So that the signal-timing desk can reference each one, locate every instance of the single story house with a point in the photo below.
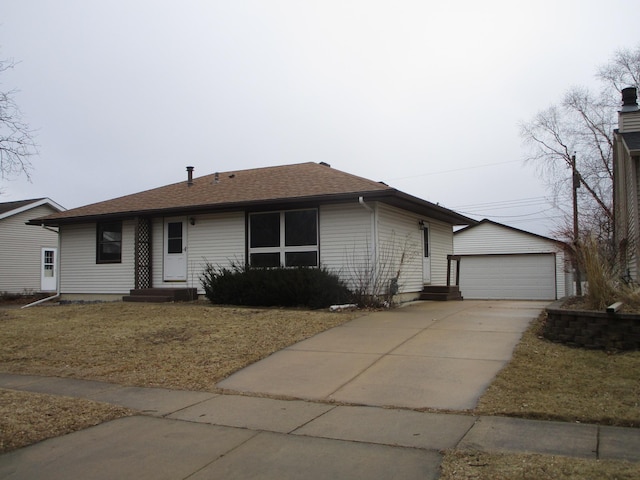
(502, 262)
(306, 214)
(29, 256)
(626, 184)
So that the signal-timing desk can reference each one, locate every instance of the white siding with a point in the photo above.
(441, 246)
(488, 239)
(20, 255)
(346, 239)
(79, 272)
(399, 236)
(350, 236)
(218, 239)
(629, 122)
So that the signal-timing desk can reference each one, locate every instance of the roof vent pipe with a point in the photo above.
(189, 176)
(629, 100)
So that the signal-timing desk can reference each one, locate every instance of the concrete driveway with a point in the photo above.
(425, 355)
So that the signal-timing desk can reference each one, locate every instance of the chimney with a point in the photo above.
(189, 176)
(629, 100)
(629, 115)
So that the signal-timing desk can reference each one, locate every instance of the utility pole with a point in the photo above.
(576, 186)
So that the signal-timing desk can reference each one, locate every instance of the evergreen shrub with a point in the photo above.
(284, 287)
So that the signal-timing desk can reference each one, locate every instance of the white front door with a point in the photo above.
(49, 270)
(426, 255)
(175, 249)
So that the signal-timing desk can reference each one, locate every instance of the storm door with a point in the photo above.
(49, 274)
(426, 255)
(175, 249)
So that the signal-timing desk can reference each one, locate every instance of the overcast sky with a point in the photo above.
(423, 95)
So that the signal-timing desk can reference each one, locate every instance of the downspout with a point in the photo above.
(373, 235)
(57, 295)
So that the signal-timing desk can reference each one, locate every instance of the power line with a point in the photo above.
(500, 202)
(506, 216)
(454, 170)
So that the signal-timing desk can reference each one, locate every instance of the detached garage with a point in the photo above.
(501, 262)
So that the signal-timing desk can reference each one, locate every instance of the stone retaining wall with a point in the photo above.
(591, 329)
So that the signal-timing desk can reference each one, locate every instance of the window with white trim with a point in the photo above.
(286, 238)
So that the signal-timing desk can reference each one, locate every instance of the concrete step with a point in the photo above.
(157, 295)
(440, 293)
(147, 298)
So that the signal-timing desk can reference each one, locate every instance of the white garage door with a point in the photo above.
(514, 277)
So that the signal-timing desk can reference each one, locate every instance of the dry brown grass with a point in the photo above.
(549, 381)
(26, 418)
(459, 465)
(193, 346)
(182, 346)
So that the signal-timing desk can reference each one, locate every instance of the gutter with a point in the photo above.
(42, 300)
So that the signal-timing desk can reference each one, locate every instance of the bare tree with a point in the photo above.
(17, 142)
(582, 124)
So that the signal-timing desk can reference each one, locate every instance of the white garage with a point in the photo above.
(501, 262)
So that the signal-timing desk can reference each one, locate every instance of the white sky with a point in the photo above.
(425, 96)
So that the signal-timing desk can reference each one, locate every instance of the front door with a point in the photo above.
(175, 249)
(426, 255)
(49, 273)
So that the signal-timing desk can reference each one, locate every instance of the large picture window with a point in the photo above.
(287, 239)
(109, 244)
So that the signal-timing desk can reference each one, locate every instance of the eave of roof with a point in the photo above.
(299, 184)
(8, 209)
(631, 142)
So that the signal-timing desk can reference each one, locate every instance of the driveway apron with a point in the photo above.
(425, 355)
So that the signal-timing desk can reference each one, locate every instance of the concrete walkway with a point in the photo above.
(200, 435)
(425, 355)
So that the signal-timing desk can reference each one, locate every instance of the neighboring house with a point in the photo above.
(305, 214)
(502, 262)
(28, 257)
(626, 182)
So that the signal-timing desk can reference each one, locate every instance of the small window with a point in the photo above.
(301, 259)
(109, 248)
(174, 237)
(301, 228)
(265, 260)
(265, 230)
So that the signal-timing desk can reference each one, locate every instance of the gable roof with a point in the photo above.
(282, 186)
(8, 209)
(486, 221)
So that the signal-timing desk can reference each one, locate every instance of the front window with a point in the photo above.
(287, 239)
(109, 244)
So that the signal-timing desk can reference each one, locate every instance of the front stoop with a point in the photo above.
(160, 295)
(441, 293)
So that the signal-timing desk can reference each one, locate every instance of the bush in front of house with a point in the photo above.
(267, 287)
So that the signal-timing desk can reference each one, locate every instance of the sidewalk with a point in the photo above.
(357, 389)
(198, 435)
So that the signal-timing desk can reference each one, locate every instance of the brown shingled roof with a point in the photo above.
(310, 182)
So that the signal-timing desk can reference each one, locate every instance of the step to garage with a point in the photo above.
(440, 293)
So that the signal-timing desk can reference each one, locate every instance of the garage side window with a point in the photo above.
(288, 238)
(109, 242)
